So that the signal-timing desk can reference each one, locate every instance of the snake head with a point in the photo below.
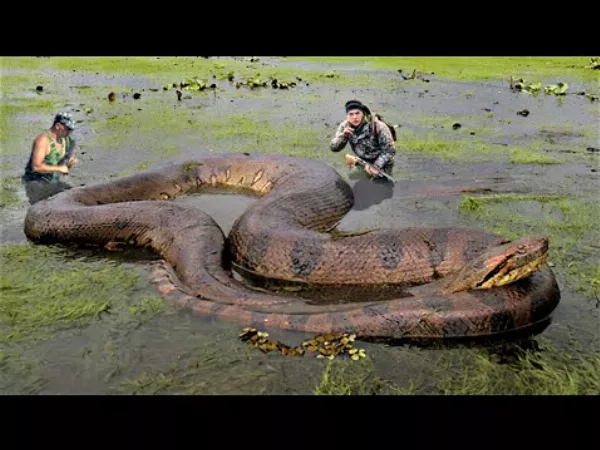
(501, 264)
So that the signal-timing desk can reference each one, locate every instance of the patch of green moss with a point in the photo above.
(43, 291)
(25, 105)
(17, 85)
(8, 190)
(434, 144)
(522, 155)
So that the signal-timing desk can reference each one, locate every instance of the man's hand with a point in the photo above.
(371, 170)
(350, 160)
(348, 131)
(63, 169)
(72, 161)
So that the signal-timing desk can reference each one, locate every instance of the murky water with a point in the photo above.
(176, 353)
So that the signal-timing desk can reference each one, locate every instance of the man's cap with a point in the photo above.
(66, 119)
(355, 104)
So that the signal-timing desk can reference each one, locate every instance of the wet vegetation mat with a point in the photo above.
(507, 144)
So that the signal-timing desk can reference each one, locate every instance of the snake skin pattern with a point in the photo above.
(285, 235)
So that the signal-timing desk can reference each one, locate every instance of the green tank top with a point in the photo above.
(52, 158)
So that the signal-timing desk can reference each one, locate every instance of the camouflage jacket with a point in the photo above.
(377, 148)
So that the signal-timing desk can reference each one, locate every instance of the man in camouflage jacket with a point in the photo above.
(369, 138)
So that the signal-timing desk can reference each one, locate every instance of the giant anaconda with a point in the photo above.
(449, 272)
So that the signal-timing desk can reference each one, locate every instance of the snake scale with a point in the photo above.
(450, 276)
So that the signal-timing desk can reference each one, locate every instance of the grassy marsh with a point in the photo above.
(474, 68)
(171, 69)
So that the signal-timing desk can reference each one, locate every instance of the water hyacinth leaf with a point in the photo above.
(561, 88)
(525, 86)
(328, 345)
(535, 86)
(256, 82)
(556, 89)
(248, 330)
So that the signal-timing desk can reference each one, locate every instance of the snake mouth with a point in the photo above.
(505, 272)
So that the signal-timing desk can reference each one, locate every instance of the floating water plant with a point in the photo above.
(556, 89)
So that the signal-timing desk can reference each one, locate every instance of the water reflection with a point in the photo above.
(371, 192)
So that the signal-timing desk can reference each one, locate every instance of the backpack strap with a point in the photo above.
(392, 131)
(375, 132)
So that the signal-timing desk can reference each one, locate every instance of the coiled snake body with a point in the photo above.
(448, 274)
